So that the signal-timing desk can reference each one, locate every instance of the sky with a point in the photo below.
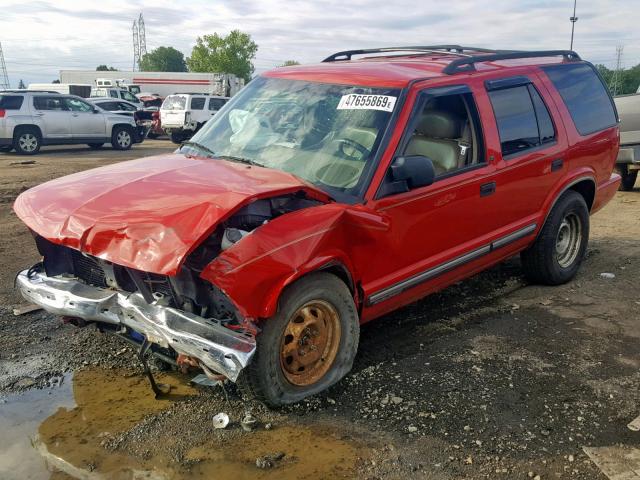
(41, 37)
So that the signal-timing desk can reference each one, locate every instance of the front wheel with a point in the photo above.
(307, 346)
(122, 138)
(628, 178)
(557, 253)
(177, 136)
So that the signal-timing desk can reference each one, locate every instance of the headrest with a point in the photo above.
(439, 124)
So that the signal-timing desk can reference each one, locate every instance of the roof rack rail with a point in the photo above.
(467, 64)
(441, 49)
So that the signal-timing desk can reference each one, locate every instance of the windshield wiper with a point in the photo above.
(204, 148)
(233, 158)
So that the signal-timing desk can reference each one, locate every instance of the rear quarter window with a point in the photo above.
(11, 102)
(197, 103)
(174, 102)
(585, 96)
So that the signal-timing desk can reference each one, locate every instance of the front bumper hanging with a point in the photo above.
(218, 348)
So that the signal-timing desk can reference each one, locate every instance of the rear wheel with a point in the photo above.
(27, 140)
(177, 137)
(628, 177)
(122, 138)
(95, 146)
(557, 253)
(307, 346)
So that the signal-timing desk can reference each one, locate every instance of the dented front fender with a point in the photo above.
(254, 272)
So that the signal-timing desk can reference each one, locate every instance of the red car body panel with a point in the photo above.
(150, 213)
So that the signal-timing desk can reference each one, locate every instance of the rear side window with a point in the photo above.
(584, 95)
(49, 103)
(216, 103)
(11, 102)
(197, 103)
(113, 93)
(522, 117)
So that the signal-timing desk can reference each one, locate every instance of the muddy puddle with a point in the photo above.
(65, 431)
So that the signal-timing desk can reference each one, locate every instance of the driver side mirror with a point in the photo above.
(408, 172)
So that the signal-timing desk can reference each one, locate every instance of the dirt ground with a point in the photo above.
(491, 378)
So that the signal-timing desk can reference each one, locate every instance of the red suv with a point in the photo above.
(324, 196)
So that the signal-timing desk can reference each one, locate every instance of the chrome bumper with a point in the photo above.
(218, 348)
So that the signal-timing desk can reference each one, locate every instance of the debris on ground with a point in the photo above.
(270, 460)
(220, 420)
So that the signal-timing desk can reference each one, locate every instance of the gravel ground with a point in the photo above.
(491, 378)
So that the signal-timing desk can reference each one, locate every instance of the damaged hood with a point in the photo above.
(150, 213)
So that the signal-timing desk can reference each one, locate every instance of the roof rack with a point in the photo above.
(467, 64)
(440, 49)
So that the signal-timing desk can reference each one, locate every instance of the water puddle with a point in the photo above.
(64, 429)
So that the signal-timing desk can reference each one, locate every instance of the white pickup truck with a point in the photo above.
(628, 162)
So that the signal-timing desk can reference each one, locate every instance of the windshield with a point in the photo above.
(174, 102)
(326, 134)
(129, 97)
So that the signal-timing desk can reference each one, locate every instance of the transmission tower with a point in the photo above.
(617, 73)
(142, 37)
(136, 46)
(4, 77)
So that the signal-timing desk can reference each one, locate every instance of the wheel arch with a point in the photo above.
(584, 184)
(20, 126)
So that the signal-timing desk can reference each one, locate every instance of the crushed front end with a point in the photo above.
(181, 315)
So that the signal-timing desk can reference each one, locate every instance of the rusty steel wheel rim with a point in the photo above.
(310, 343)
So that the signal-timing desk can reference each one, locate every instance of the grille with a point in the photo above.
(88, 269)
(158, 283)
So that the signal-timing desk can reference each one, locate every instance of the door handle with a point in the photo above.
(487, 189)
(557, 164)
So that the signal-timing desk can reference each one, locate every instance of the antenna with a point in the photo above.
(4, 77)
(573, 21)
(136, 46)
(617, 73)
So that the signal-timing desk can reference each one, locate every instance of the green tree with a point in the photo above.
(231, 54)
(163, 59)
(21, 85)
(289, 63)
(104, 68)
(628, 79)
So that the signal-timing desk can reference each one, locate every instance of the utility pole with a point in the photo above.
(139, 42)
(4, 77)
(617, 73)
(142, 37)
(573, 21)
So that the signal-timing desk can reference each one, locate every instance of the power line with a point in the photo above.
(617, 73)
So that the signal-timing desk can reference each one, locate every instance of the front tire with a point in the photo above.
(628, 178)
(307, 346)
(177, 137)
(122, 138)
(27, 141)
(557, 253)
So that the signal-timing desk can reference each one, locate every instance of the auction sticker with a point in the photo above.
(356, 101)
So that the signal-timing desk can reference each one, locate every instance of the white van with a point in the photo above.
(183, 114)
(81, 90)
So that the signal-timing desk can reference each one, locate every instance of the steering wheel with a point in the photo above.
(354, 146)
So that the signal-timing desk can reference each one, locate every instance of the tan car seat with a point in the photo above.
(436, 137)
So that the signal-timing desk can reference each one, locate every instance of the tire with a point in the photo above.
(95, 146)
(628, 178)
(557, 253)
(272, 377)
(176, 137)
(6, 148)
(27, 140)
(152, 136)
(122, 138)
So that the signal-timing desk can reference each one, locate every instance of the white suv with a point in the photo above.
(29, 120)
(183, 114)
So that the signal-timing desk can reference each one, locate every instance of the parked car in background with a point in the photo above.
(184, 114)
(116, 92)
(80, 90)
(30, 120)
(628, 162)
(143, 118)
(325, 196)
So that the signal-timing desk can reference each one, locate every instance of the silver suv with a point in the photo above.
(29, 120)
